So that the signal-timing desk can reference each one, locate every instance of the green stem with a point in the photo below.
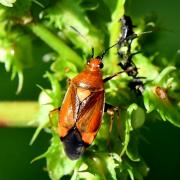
(18, 114)
(56, 43)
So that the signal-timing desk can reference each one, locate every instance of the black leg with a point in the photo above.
(112, 76)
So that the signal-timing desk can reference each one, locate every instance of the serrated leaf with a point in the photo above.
(58, 164)
(126, 170)
(64, 69)
(55, 95)
(148, 100)
(129, 145)
(11, 61)
(111, 165)
(48, 100)
(43, 115)
(131, 169)
(162, 78)
(156, 98)
(16, 54)
(145, 67)
(70, 17)
(8, 3)
(95, 167)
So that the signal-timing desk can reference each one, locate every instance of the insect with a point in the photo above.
(137, 85)
(128, 65)
(125, 40)
(126, 57)
(82, 109)
(127, 33)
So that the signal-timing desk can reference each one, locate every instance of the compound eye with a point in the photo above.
(101, 65)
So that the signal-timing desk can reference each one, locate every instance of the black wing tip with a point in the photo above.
(74, 146)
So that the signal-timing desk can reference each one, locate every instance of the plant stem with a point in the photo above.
(18, 114)
(56, 43)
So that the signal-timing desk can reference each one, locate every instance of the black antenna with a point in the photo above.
(107, 50)
(84, 37)
(78, 32)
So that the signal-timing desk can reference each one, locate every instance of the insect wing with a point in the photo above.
(66, 116)
(90, 116)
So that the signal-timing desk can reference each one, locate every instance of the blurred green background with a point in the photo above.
(162, 153)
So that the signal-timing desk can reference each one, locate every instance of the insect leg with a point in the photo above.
(111, 110)
(68, 81)
(112, 76)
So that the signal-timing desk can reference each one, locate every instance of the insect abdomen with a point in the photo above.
(73, 144)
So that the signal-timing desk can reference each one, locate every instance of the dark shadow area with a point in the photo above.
(162, 154)
(16, 154)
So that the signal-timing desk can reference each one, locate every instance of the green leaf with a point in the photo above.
(20, 80)
(43, 115)
(90, 5)
(55, 94)
(156, 98)
(48, 100)
(101, 165)
(126, 118)
(95, 167)
(12, 59)
(145, 67)
(114, 29)
(133, 119)
(126, 170)
(138, 118)
(58, 164)
(56, 43)
(69, 17)
(18, 8)
(64, 69)
(132, 149)
(133, 170)
(8, 3)
(161, 80)
(111, 4)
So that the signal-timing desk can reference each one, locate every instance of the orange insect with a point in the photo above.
(82, 109)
